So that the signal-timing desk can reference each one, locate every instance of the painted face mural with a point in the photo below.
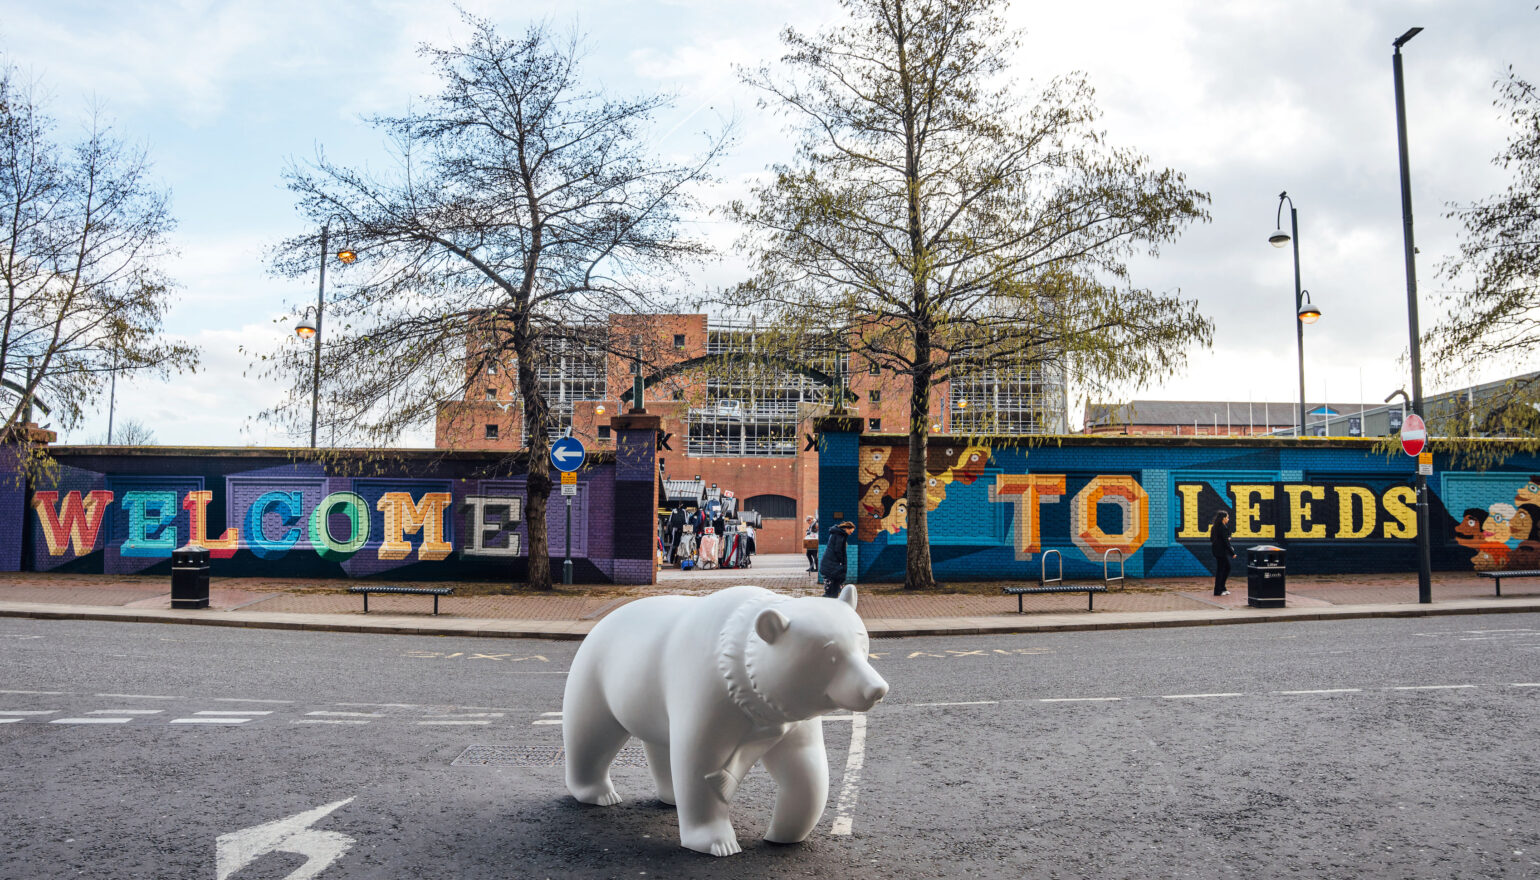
(1529, 493)
(883, 474)
(1495, 527)
(1468, 530)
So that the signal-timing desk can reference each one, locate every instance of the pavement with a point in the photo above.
(498, 610)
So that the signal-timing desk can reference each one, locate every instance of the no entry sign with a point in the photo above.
(1414, 434)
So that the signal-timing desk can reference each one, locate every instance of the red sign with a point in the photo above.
(1414, 434)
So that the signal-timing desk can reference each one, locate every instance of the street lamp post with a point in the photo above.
(1424, 550)
(1304, 311)
(306, 329)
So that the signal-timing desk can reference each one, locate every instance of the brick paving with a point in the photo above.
(878, 601)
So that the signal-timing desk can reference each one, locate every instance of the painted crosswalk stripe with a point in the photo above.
(325, 714)
(138, 697)
(469, 715)
(249, 700)
(1432, 687)
(330, 721)
(223, 713)
(225, 720)
(125, 711)
(30, 712)
(97, 720)
(1322, 691)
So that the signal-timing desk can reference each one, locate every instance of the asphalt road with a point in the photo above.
(1383, 748)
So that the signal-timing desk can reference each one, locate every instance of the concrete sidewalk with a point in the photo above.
(479, 609)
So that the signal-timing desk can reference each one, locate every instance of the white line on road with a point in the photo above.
(469, 715)
(850, 788)
(1080, 699)
(249, 700)
(209, 720)
(90, 721)
(460, 723)
(1432, 687)
(347, 714)
(39, 693)
(1526, 684)
(139, 697)
(125, 711)
(1197, 696)
(970, 703)
(546, 721)
(330, 721)
(9, 720)
(1323, 691)
(557, 714)
(33, 712)
(221, 712)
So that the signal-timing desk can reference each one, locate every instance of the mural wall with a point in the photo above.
(1336, 508)
(419, 516)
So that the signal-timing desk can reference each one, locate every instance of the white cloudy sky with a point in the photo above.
(1246, 98)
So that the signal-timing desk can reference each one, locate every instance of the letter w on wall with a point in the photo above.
(75, 523)
(1027, 492)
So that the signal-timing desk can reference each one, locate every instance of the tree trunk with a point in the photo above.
(538, 483)
(917, 570)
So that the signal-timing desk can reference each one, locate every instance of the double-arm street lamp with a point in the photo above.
(1304, 311)
(306, 328)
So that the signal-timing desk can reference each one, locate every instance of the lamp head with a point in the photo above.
(962, 404)
(1308, 313)
(1278, 238)
(599, 410)
(305, 329)
(1402, 40)
(347, 256)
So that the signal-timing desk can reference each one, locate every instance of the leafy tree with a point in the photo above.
(935, 219)
(524, 210)
(83, 236)
(1492, 316)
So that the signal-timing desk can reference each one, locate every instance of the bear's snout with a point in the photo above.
(876, 692)
(859, 688)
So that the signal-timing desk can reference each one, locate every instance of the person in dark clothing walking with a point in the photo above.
(1219, 542)
(833, 565)
(810, 544)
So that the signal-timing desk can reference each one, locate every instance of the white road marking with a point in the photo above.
(1432, 687)
(557, 714)
(971, 703)
(90, 721)
(209, 720)
(330, 721)
(139, 697)
(469, 715)
(546, 721)
(249, 700)
(1197, 696)
(460, 723)
(850, 788)
(236, 850)
(222, 712)
(1323, 691)
(31, 712)
(1080, 699)
(347, 714)
(39, 693)
(9, 720)
(125, 711)
(1526, 684)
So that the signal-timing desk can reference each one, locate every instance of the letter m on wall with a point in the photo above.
(73, 523)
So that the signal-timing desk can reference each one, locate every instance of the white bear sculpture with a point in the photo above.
(711, 686)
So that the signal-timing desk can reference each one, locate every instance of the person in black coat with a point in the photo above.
(833, 565)
(1219, 542)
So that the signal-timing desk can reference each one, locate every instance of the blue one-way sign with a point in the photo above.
(567, 454)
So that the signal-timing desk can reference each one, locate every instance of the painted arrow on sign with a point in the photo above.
(236, 850)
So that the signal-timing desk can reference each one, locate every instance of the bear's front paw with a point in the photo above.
(605, 796)
(713, 842)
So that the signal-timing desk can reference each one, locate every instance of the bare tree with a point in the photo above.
(83, 236)
(937, 220)
(526, 209)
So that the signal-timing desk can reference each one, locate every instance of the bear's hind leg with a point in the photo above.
(592, 738)
(800, 768)
(662, 775)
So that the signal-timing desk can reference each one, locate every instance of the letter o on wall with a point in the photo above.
(357, 511)
(1126, 493)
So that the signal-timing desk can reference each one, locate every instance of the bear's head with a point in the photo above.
(810, 657)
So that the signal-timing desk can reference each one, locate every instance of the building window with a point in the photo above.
(491, 394)
(679, 340)
(874, 396)
(772, 506)
(491, 432)
(874, 424)
(492, 369)
(604, 432)
(873, 370)
(679, 394)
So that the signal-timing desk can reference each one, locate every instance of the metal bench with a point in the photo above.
(435, 592)
(1056, 584)
(1499, 575)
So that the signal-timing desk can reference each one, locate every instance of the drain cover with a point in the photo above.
(535, 756)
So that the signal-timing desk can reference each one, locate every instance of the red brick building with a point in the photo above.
(733, 416)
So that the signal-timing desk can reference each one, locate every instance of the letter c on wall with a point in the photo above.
(288, 505)
(1126, 493)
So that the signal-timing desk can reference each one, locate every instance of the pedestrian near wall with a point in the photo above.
(833, 566)
(1219, 542)
(810, 542)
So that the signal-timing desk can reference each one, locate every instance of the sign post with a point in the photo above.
(1414, 436)
(567, 455)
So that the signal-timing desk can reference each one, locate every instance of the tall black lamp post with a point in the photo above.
(1424, 551)
(1304, 312)
(307, 329)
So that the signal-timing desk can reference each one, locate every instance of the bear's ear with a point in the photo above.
(848, 596)
(770, 624)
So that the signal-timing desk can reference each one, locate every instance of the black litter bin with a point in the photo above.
(190, 577)
(1265, 576)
